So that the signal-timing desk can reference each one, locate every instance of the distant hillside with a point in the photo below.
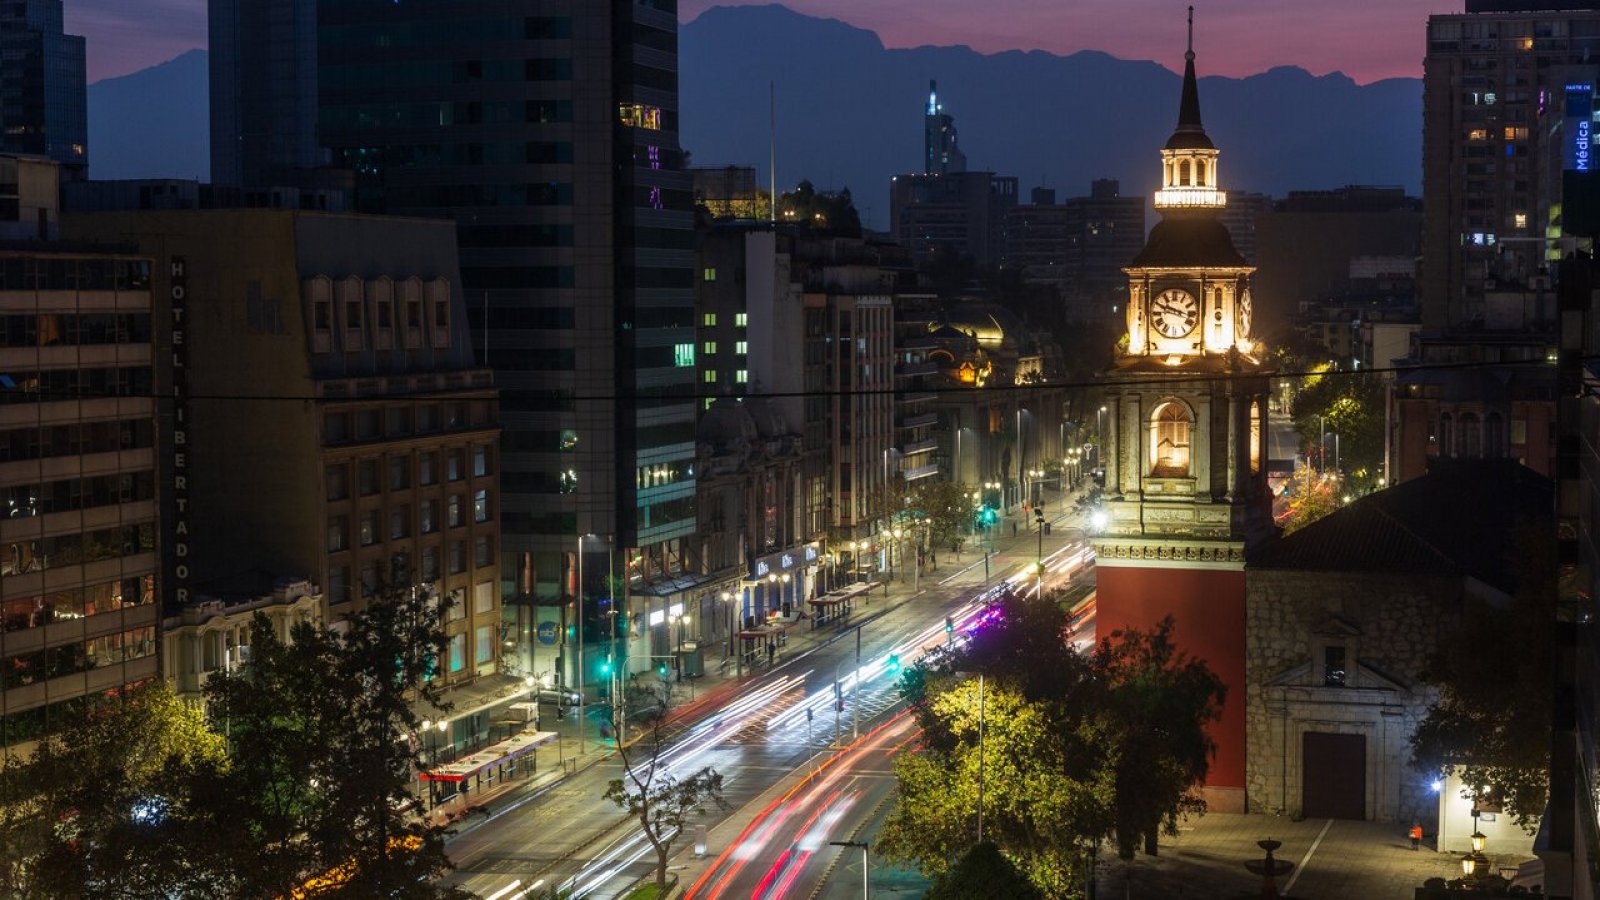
(154, 123)
(850, 112)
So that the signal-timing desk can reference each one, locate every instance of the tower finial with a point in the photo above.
(1189, 54)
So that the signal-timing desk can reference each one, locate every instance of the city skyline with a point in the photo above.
(1365, 44)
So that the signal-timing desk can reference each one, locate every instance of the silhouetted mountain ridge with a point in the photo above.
(850, 112)
(153, 123)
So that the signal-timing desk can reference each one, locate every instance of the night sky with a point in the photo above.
(1367, 40)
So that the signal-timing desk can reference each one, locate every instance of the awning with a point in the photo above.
(493, 755)
(829, 600)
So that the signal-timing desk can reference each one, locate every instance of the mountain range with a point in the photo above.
(849, 113)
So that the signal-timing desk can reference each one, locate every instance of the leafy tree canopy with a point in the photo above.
(1492, 719)
(1074, 749)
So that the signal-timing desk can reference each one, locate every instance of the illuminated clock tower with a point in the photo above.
(1186, 400)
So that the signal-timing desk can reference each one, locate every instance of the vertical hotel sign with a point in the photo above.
(178, 564)
(1578, 120)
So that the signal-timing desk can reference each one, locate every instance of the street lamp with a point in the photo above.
(785, 578)
(866, 886)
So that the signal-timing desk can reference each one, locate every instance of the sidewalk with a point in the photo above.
(712, 689)
(1333, 859)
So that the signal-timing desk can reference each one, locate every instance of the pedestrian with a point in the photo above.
(772, 651)
(1416, 835)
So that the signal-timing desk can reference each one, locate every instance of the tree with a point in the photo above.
(104, 808)
(1350, 405)
(983, 872)
(1076, 750)
(322, 742)
(1491, 723)
(947, 505)
(650, 792)
(1310, 498)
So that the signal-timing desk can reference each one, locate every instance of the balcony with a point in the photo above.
(919, 420)
(914, 447)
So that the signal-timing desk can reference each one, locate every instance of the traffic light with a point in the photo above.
(894, 663)
(661, 668)
(949, 624)
(988, 515)
(605, 667)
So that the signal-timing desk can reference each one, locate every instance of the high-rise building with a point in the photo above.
(78, 508)
(549, 132)
(940, 154)
(44, 107)
(1506, 85)
(960, 212)
(263, 58)
(383, 462)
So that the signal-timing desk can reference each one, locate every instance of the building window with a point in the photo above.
(711, 347)
(369, 528)
(740, 320)
(430, 516)
(1471, 437)
(458, 652)
(742, 348)
(483, 644)
(1333, 666)
(399, 473)
(452, 465)
(710, 376)
(710, 274)
(709, 320)
(480, 461)
(427, 469)
(453, 512)
(1169, 440)
(339, 584)
(1447, 435)
(483, 551)
(483, 598)
(741, 377)
(338, 478)
(480, 506)
(400, 523)
(430, 564)
(683, 355)
(367, 477)
(338, 534)
(458, 557)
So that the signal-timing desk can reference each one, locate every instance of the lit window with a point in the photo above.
(710, 377)
(683, 355)
(741, 376)
(709, 320)
(637, 115)
(742, 348)
(1488, 98)
(740, 319)
(1478, 134)
(710, 274)
(1520, 220)
(1514, 133)
(1169, 441)
(711, 347)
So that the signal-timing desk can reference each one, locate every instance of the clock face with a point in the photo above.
(1245, 311)
(1174, 313)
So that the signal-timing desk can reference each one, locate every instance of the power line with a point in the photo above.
(1177, 377)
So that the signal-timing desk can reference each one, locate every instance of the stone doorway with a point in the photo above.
(1333, 776)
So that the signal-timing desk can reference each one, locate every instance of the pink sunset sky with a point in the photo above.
(1367, 39)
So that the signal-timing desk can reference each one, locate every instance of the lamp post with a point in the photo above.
(1038, 521)
(580, 643)
(866, 886)
(896, 548)
(786, 596)
(427, 745)
(1100, 432)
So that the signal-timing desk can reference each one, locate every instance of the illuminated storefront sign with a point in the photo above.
(1578, 153)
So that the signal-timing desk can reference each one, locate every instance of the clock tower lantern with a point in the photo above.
(1186, 405)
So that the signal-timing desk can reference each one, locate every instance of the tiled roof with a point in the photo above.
(1464, 517)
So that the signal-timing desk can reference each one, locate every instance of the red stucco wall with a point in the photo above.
(1208, 607)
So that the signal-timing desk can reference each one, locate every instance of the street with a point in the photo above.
(764, 734)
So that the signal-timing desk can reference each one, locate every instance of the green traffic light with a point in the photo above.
(894, 662)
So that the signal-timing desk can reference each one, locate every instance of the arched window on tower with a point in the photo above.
(1169, 440)
(1200, 172)
(1183, 172)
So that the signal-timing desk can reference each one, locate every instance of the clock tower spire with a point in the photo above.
(1186, 397)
